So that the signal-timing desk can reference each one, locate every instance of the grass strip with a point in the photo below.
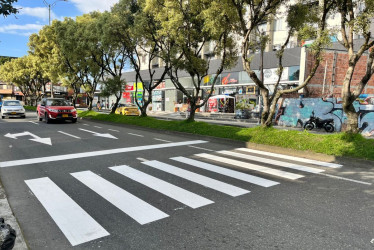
(338, 144)
(30, 108)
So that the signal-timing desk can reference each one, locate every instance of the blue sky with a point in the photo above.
(33, 15)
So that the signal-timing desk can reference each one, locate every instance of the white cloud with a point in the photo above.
(87, 6)
(38, 12)
(22, 30)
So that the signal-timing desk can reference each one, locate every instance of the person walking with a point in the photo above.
(98, 106)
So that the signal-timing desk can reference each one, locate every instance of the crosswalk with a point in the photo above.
(79, 226)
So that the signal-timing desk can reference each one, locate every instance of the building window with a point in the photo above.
(278, 25)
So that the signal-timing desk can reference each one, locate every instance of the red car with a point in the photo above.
(56, 109)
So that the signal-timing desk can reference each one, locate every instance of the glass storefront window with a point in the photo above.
(293, 73)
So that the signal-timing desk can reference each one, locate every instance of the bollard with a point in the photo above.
(7, 236)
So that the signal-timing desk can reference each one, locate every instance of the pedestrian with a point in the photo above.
(98, 106)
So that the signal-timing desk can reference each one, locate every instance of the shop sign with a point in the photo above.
(251, 90)
(271, 75)
(212, 103)
(129, 88)
(229, 91)
(126, 95)
(161, 85)
(230, 78)
(138, 86)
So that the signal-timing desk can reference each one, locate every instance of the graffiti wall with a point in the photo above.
(295, 112)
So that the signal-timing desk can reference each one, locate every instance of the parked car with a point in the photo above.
(56, 109)
(127, 109)
(12, 108)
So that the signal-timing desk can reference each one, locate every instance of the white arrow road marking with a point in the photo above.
(35, 137)
(99, 134)
(62, 132)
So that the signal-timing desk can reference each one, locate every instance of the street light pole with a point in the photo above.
(50, 6)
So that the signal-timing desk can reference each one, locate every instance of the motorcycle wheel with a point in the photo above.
(309, 126)
(329, 128)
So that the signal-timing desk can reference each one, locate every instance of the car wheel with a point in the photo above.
(47, 120)
(74, 120)
(2, 117)
(23, 116)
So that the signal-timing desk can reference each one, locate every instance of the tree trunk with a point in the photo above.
(352, 116)
(90, 100)
(265, 108)
(191, 116)
(115, 105)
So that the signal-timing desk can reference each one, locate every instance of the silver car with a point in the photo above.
(12, 108)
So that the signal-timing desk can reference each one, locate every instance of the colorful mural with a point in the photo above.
(295, 112)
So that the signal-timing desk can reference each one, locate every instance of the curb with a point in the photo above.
(7, 214)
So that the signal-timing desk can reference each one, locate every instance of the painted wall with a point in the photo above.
(295, 112)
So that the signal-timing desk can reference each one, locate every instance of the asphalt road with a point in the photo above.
(93, 185)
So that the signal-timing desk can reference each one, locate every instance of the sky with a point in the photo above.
(33, 15)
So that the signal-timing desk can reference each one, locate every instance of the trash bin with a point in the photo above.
(7, 236)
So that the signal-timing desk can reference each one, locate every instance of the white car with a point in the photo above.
(12, 108)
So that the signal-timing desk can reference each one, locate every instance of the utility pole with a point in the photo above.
(50, 6)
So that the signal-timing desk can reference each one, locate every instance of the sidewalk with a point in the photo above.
(7, 214)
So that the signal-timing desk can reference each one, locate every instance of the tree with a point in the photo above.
(26, 74)
(190, 27)
(106, 34)
(138, 33)
(43, 46)
(304, 18)
(78, 48)
(356, 18)
(6, 7)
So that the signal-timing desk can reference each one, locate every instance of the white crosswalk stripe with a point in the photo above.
(197, 178)
(75, 223)
(254, 167)
(134, 207)
(186, 197)
(228, 172)
(293, 158)
(273, 162)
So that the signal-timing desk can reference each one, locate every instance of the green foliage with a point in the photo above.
(6, 7)
(112, 86)
(30, 108)
(338, 144)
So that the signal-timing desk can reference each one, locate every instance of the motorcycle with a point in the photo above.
(316, 122)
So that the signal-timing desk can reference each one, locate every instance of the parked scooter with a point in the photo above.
(316, 122)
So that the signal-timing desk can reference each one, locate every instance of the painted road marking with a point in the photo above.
(273, 162)
(183, 196)
(105, 135)
(345, 179)
(141, 159)
(197, 178)
(202, 148)
(228, 172)
(293, 158)
(65, 157)
(114, 130)
(254, 167)
(36, 123)
(75, 223)
(161, 140)
(35, 137)
(85, 124)
(134, 207)
(98, 127)
(69, 134)
(135, 134)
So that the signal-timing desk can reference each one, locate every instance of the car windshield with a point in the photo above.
(57, 102)
(130, 105)
(12, 103)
